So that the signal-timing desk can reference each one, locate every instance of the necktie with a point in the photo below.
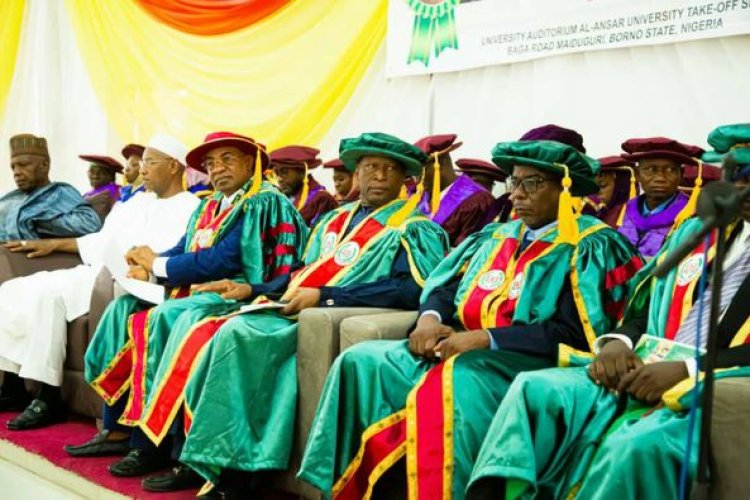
(525, 241)
(733, 278)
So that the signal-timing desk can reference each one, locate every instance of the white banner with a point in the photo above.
(432, 36)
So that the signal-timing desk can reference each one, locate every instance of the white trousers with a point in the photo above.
(34, 315)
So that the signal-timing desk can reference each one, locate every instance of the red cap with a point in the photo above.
(335, 164)
(472, 165)
(132, 149)
(296, 157)
(442, 144)
(103, 161)
(225, 139)
(661, 147)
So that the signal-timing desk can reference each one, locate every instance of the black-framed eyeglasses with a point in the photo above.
(227, 160)
(530, 185)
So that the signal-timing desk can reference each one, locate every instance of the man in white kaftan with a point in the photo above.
(36, 309)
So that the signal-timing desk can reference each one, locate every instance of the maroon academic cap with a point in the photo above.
(472, 165)
(557, 133)
(441, 144)
(661, 147)
(296, 156)
(614, 162)
(335, 164)
(103, 161)
(709, 173)
(132, 149)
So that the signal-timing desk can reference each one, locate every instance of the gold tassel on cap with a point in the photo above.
(402, 213)
(404, 193)
(305, 191)
(257, 174)
(633, 189)
(435, 194)
(566, 219)
(631, 194)
(689, 209)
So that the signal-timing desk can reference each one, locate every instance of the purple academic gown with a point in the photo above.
(648, 232)
(112, 190)
(319, 201)
(462, 210)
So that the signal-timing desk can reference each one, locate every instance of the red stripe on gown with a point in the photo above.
(171, 390)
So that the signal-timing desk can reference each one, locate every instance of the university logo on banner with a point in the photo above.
(434, 29)
(432, 36)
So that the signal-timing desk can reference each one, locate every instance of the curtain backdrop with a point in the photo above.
(11, 17)
(210, 17)
(681, 90)
(283, 80)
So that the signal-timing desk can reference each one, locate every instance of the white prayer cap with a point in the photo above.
(168, 145)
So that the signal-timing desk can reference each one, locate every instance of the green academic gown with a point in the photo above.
(235, 377)
(397, 404)
(127, 346)
(548, 430)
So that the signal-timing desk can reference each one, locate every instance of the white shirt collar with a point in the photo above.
(227, 201)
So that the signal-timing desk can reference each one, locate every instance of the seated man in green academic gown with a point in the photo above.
(247, 231)
(600, 431)
(500, 303)
(235, 376)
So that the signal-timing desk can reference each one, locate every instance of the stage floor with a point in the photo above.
(33, 464)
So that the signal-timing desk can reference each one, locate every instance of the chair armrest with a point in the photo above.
(388, 326)
(317, 347)
(101, 295)
(16, 265)
(730, 438)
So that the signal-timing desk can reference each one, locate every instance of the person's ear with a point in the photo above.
(249, 161)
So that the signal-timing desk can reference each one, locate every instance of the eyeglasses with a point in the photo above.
(227, 160)
(666, 170)
(371, 168)
(530, 185)
(151, 162)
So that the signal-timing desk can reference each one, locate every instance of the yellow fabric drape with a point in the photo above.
(282, 81)
(11, 20)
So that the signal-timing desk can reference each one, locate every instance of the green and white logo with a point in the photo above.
(516, 286)
(346, 254)
(328, 243)
(204, 237)
(491, 280)
(434, 29)
(689, 269)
